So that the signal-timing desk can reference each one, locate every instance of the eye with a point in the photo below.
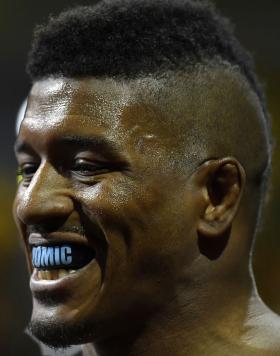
(25, 172)
(87, 168)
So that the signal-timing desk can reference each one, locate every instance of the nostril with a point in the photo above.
(52, 211)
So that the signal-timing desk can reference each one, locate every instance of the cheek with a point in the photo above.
(17, 206)
(21, 228)
(125, 213)
(113, 198)
(146, 236)
(145, 217)
(18, 200)
(114, 206)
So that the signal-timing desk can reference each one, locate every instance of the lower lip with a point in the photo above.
(68, 282)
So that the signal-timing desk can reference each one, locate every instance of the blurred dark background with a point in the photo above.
(257, 26)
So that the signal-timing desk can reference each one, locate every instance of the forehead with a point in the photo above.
(172, 113)
(155, 105)
(109, 107)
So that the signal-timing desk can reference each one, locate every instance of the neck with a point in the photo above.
(209, 310)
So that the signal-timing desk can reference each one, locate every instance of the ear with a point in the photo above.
(221, 183)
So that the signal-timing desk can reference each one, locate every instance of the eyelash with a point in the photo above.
(21, 174)
(81, 168)
(89, 167)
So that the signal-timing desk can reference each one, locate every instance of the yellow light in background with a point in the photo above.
(19, 178)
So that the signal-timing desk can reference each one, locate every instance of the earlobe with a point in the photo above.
(221, 183)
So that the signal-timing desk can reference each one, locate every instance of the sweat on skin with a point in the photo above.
(152, 210)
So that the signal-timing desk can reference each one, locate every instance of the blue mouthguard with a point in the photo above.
(71, 256)
(49, 256)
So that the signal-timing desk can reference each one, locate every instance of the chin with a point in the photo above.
(58, 334)
(60, 324)
(64, 323)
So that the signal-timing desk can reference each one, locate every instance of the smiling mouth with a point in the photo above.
(55, 261)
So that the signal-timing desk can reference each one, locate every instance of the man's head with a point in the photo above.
(144, 122)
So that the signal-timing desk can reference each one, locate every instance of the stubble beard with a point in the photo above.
(59, 335)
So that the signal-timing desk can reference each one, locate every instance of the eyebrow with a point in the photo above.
(91, 141)
(21, 146)
(94, 142)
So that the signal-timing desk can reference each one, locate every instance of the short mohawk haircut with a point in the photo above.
(133, 38)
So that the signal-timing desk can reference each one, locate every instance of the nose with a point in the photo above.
(46, 199)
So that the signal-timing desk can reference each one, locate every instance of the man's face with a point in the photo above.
(98, 175)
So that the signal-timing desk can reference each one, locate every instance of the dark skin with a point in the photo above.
(172, 240)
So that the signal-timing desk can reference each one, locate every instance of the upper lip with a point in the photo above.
(36, 239)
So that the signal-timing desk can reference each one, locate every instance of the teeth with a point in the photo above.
(62, 273)
(48, 275)
(53, 274)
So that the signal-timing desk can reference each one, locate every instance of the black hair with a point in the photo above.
(130, 38)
